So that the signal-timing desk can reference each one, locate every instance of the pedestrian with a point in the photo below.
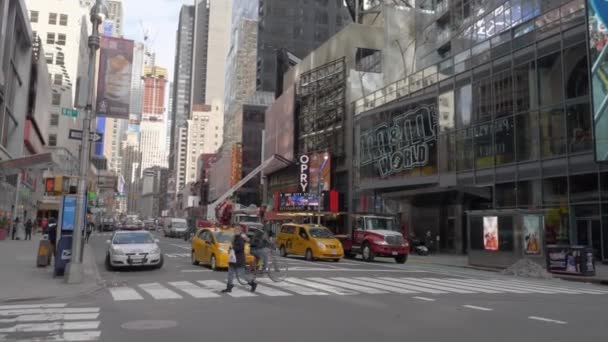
(89, 231)
(236, 261)
(18, 229)
(14, 231)
(28, 229)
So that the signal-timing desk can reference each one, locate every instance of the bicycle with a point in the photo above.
(276, 271)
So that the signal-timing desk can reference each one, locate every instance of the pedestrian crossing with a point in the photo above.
(177, 255)
(347, 286)
(49, 322)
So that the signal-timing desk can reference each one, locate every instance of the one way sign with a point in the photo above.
(76, 134)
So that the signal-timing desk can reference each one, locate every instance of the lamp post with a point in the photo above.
(320, 185)
(74, 270)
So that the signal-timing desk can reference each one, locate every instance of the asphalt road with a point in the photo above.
(322, 301)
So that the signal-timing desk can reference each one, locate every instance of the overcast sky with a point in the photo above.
(161, 18)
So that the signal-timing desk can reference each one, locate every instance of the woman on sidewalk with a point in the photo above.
(28, 229)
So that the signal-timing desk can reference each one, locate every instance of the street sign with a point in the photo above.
(69, 112)
(76, 134)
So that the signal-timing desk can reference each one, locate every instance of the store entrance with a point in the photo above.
(589, 233)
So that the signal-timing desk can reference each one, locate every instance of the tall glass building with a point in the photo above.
(497, 115)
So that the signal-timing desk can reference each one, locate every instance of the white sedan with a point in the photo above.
(133, 248)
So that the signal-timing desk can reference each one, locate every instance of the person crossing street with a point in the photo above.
(236, 261)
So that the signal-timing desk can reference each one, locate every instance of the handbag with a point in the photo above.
(231, 257)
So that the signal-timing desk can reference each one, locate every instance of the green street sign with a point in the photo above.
(92, 195)
(69, 112)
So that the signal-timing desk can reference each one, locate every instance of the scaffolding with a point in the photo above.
(322, 100)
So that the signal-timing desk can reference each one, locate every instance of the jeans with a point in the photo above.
(261, 254)
(232, 272)
(28, 234)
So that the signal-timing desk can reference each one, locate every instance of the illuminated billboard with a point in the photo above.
(597, 11)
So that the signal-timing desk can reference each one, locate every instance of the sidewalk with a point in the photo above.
(457, 260)
(23, 281)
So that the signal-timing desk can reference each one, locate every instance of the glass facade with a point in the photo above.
(514, 122)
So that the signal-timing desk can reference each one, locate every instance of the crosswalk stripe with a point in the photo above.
(68, 336)
(409, 285)
(124, 293)
(301, 290)
(477, 283)
(32, 306)
(538, 287)
(271, 292)
(19, 312)
(364, 289)
(437, 286)
(581, 289)
(218, 286)
(519, 287)
(51, 317)
(377, 285)
(54, 326)
(158, 291)
(322, 287)
(193, 290)
(447, 282)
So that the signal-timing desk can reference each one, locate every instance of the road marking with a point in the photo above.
(479, 283)
(580, 289)
(409, 285)
(435, 285)
(377, 285)
(548, 320)
(480, 308)
(301, 290)
(425, 299)
(51, 317)
(158, 291)
(543, 287)
(322, 287)
(218, 286)
(43, 327)
(32, 306)
(68, 336)
(177, 255)
(188, 248)
(447, 282)
(124, 293)
(193, 290)
(536, 289)
(354, 287)
(195, 271)
(47, 311)
(299, 268)
(271, 292)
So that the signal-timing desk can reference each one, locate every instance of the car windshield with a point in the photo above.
(248, 218)
(320, 233)
(224, 237)
(132, 239)
(380, 223)
(179, 224)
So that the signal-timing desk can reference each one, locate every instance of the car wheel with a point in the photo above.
(367, 253)
(109, 266)
(401, 259)
(213, 263)
(193, 258)
(161, 263)
(283, 251)
(308, 256)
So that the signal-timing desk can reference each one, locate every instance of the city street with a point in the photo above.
(350, 300)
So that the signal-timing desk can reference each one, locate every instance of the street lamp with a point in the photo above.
(74, 270)
(320, 185)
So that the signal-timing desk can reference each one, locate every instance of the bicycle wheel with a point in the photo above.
(277, 270)
(245, 275)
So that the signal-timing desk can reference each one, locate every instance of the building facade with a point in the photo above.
(153, 191)
(204, 137)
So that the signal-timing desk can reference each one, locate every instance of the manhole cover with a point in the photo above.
(149, 325)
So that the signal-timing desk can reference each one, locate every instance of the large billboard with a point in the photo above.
(597, 11)
(114, 81)
(279, 127)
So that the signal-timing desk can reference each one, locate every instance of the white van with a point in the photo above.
(174, 227)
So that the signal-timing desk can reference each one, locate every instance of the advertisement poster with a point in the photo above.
(597, 11)
(114, 83)
(532, 234)
(570, 260)
(68, 221)
(298, 201)
(490, 233)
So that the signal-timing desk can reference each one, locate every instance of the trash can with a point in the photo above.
(63, 255)
(44, 251)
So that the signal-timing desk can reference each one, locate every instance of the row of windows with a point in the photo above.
(58, 39)
(59, 59)
(63, 18)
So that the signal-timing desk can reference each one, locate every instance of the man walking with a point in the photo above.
(15, 228)
(236, 261)
(28, 229)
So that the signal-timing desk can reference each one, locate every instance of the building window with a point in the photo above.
(368, 60)
(63, 20)
(52, 18)
(49, 57)
(52, 139)
(61, 39)
(34, 16)
(58, 79)
(50, 38)
(56, 99)
(60, 60)
(54, 119)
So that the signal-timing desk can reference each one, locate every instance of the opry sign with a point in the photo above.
(304, 172)
(401, 144)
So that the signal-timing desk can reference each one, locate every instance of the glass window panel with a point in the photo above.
(524, 79)
(505, 195)
(464, 150)
(527, 136)
(451, 151)
(446, 111)
(503, 93)
(576, 74)
(505, 233)
(515, 12)
(529, 194)
(490, 25)
(604, 189)
(584, 188)
(504, 136)
(530, 9)
(484, 152)
(553, 131)
(550, 79)
(482, 96)
(555, 191)
(464, 105)
(580, 137)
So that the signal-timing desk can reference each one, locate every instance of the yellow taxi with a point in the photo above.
(309, 240)
(210, 246)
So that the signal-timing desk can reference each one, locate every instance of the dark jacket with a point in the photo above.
(238, 245)
(260, 240)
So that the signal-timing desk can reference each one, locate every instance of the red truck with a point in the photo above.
(375, 236)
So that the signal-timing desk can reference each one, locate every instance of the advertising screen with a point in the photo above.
(114, 84)
(490, 233)
(298, 201)
(68, 221)
(279, 126)
(597, 12)
(532, 236)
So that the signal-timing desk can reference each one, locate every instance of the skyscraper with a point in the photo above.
(152, 140)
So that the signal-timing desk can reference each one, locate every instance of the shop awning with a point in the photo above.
(36, 162)
(482, 192)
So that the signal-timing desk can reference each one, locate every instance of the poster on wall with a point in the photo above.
(298, 201)
(532, 234)
(114, 83)
(597, 12)
(490, 233)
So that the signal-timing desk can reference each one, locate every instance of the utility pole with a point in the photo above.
(74, 270)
